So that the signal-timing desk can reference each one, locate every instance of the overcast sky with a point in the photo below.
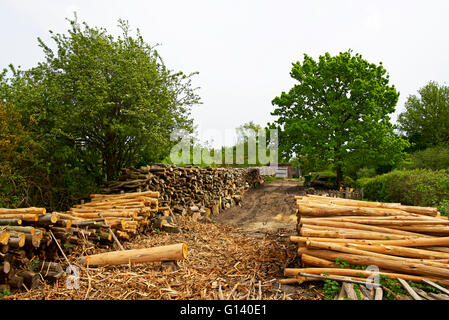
(243, 50)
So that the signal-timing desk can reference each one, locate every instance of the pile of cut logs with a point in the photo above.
(28, 235)
(402, 242)
(188, 189)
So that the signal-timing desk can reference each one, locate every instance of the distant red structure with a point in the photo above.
(288, 167)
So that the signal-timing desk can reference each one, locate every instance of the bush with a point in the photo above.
(420, 187)
(366, 172)
(435, 158)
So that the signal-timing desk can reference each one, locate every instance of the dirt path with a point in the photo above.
(268, 208)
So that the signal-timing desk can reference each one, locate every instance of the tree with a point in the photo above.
(425, 121)
(111, 101)
(338, 111)
(98, 103)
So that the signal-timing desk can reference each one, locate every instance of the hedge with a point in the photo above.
(420, 187)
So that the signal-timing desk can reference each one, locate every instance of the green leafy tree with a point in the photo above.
(338, 111)
(425, 121)
(112, 100)
(100, 103)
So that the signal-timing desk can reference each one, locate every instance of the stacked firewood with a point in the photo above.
(338, 235)
(25, 243)
(189, 189)
(27, 236)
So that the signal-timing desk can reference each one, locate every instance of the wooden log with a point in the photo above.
(434, 229)
(47, 219)
(292, 272)
(439, 296)
(409, 289)
(32, 240)
(311, 261)
(31, 279)
(401, 251)
(107, 214)
(31, 210)
(423, 294)
(15, 281)
(388, 222)
(5, 267)
(436, 286)
(16, 242)
(24, 217)
(341, 295)
(349, 289)
(414, 242)
(4, 248)
(355, 226)
(418, 263)
(326, 210)
(306, 232)
(10, 222)
(21, 229)
(165, 253)
(151, 194)
(4, 237)
(44, 266)
(430, 211)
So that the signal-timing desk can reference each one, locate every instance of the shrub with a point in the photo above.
(366, 172)
(420, 187)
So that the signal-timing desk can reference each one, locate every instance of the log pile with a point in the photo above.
(25, 245)
(403, 242)
(189, 189)
(27, 236)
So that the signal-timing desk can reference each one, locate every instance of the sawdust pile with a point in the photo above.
(223, 263)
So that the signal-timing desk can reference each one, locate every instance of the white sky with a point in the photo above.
(244, 49)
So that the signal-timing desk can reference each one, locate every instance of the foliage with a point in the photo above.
(418, 187)
(4, 293)
(392, 284)
(425, 121)
(20, 170)
(434, 158)
(343, 264)
(366, 172)
(338, 111)
(443, 207)
(99, 103)
(33, 264)
(331, 288)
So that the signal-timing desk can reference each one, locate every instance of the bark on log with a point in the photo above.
(165, 253)
(31, 279)
(401, 251)
(355, 226)
(340, 248)
(31, 210)
(10, 222)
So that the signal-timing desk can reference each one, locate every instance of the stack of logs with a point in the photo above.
(403, 242)
(27, 236)
(189, 188)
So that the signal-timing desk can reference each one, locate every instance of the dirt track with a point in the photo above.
(268, 208)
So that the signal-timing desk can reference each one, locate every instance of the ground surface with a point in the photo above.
(241, 254)
(268, 208)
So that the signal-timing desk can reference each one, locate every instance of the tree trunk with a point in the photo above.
(339, 176)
